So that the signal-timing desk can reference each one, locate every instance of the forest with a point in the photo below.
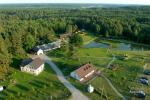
(23, 28)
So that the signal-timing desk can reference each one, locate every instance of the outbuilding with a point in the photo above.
(90, 89)
(40, 52)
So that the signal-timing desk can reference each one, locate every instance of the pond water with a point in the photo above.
(120, 46)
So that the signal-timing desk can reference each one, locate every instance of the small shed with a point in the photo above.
(36, 51)
(90, 88)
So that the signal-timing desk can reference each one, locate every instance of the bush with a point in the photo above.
(113, 75)
(124, 78)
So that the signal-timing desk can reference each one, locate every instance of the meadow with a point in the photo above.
(124, 78)
(24, 86)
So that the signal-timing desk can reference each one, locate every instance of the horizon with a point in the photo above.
(123, 2)
(77, 3)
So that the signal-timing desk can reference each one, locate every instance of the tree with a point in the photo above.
(29, 42)
(4, 56)
(17, 45)
(75, 40)
(69, 28)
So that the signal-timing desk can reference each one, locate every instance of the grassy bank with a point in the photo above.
(25, 86)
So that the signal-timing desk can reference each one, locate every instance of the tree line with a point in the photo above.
(22, 29)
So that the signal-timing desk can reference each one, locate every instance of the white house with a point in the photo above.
(32, 66)
(40, 52)
(84, 73)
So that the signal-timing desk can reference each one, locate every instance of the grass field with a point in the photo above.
(23, 86)
(46, 86)
(124, 78)
(87, 38)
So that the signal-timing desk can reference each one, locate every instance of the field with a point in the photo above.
(24, 86)
(124, 78)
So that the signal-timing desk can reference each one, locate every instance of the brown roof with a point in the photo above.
(84, 70)
(36, 63)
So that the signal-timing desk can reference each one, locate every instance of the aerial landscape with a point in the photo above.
(74, 51)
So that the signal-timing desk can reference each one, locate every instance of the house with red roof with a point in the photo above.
(84, 72)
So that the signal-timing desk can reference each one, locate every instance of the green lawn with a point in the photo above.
(23, 86)
(124, 78)
(104, 90)
(87, 38)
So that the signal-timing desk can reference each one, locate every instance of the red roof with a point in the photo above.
(84, 70)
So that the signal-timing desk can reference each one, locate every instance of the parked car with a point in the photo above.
(147, 72)
(144, 81)
(144, 78)
(140, 94)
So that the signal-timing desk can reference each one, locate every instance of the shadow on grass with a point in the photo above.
(40, 83)
(36, 84)
(15, 63)
(22, 87)
(11, 91)
(3, 95)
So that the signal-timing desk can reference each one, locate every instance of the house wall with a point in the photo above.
(30, 70)
(39, 70)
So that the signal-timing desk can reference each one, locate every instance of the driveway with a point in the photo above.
(76, 94)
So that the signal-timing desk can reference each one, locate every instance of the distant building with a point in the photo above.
(32, 66)
(40, 52)
(84, 73)
(47, 47)
(37, 51)
(64, 36)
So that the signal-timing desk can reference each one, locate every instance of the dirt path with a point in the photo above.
(113, 59)
(76, 94)
(109, 82)
(111, 85)
(144, 67)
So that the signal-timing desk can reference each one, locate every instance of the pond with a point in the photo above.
(120, 46)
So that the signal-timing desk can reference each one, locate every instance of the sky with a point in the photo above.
(145, 2)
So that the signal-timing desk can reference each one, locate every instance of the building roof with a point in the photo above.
(46, 47)
(64, 35)
(34, 63)
(84, 70)
(26, 61)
